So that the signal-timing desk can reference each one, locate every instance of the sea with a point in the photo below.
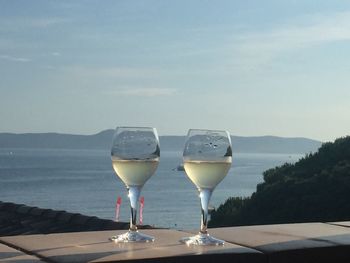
(83, 181)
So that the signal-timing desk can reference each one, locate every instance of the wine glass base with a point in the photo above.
(132, 236)
(202, 240)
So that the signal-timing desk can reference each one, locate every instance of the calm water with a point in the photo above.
(83, 181)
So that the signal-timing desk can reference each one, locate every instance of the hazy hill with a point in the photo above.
(316, 188)
(102, 140)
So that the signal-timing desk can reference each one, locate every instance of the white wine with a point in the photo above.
(135, 172)
(207, 174)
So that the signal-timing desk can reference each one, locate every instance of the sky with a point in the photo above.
(250, 67)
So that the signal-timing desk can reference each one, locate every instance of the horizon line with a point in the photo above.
(174, 135)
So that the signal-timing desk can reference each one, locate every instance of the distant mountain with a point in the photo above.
(261, 144)
(102, 140)
(274, 144)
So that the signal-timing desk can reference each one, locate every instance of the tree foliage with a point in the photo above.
(316, 188)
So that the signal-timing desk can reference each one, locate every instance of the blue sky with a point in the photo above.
(250, 67)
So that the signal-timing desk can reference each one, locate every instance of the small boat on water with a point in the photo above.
(180, 167)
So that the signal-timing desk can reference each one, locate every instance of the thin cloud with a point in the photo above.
(20, 23)
(261, 47)
(146, 92)
(16, 59)
(45, 21)
(114, 72)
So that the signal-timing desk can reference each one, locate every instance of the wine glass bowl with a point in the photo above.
(207, 159)
(135, 156)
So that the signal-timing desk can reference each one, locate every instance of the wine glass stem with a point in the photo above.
(204, 195)
(133, 194)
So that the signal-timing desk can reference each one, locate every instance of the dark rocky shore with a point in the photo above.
(20, 219)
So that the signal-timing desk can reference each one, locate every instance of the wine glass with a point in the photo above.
(207, 159)
(135, 157)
